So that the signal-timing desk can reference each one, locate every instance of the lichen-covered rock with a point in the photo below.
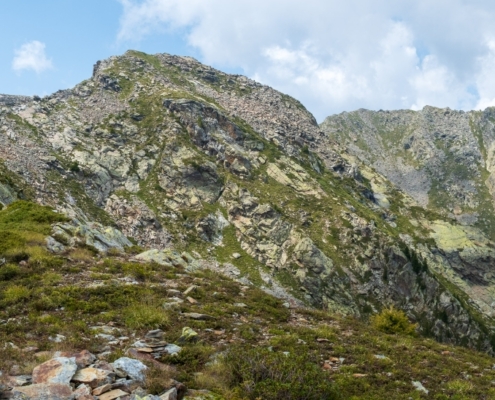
(6, 195)
(136, 220)
(134, 369)
(211, 228)
(59, 370)
(166, 257)
(102, 238)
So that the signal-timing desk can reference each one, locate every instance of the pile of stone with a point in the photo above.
(80, 376)
(153, 346)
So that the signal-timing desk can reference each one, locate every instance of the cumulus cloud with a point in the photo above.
(31, 56)
(336, 56)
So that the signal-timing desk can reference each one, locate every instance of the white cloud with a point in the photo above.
(336, 56)
(32, 56)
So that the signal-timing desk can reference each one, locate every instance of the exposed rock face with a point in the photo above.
(442, 158)
(136, 220)
(185, 159)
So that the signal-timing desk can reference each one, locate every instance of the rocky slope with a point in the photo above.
(442, 158)
(83, 325)
(177, 155)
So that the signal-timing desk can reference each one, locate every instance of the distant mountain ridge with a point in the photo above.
(443, 158)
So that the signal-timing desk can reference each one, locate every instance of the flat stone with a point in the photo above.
(30, 349)
(191, 300)
(133, 368)
(46, 391)
(20, 380)
(113, 394)
(145, 350)
(156, 344)
(105, 336)
(156, 334)
(127, 385)
(102, 389)
(236, 256)
(93, 377)
(189, 289)
(197, 316)
(57, 370)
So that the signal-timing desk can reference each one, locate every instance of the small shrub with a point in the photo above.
(9, 272)
(51, 278)
(16, 255)
(45, 303)
(42, 259)
(81, 254)
(134, 249)
(159, 379)
(141, 272)
(258, 373)
(62, 239)
(22, 213)
(114, 252)
(15, 294)
(74, 167)
(149, 316)
(393, 321)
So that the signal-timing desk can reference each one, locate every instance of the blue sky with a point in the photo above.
(76, 33)
(333, 56)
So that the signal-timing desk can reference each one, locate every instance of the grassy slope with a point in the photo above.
(67, 294)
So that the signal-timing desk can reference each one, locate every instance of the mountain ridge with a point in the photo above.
(178, 155)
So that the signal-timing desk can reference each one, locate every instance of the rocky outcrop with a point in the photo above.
(92, 234)
(440, 157)
(137, 221)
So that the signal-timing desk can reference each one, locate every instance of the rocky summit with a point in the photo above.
(177, 225)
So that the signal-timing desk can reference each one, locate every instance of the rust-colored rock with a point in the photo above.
(93, 377)
(52, 391)
(81, 391)
(83, 358)
(104, 365)
(102, 389)
(58, 370)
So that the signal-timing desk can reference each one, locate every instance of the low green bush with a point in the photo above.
(145, 316)
(393, 321)
(9, 271)
(259, 373)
